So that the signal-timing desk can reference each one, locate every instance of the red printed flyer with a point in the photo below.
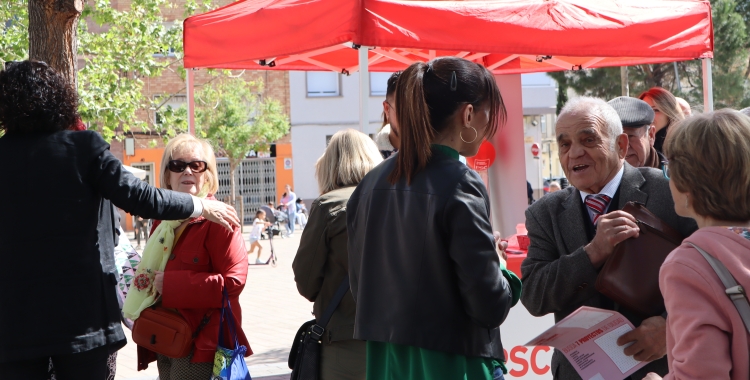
(588, 338)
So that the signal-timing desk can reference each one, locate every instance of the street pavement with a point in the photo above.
(272, 311)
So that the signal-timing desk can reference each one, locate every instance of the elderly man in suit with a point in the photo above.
(575, 230)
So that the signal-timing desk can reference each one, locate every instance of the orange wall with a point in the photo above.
(283, 176)
(144, 156)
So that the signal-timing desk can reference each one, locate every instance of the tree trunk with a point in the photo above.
(53, 34)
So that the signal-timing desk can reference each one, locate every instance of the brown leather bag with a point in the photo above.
(165, 332)
(630, 276)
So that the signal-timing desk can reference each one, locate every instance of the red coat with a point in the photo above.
(205, 258)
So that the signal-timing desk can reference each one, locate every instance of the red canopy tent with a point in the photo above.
(506, 36)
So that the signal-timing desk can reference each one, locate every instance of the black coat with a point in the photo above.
(423, 266)
(57, 278)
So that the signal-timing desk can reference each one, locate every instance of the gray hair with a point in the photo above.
(600, 108)
(745, 111)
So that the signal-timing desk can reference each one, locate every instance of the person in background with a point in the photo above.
(554, 186)
(684, 106)
(322, 258)
(430, 288)
(289, 200)
(637, 119)
(529, 192)
(387, 139)
(140, 231)
(68, 308)
(666, 112)
(259, 225)
(709, 178)
(301, 215)
(572, 232)
(205, 261)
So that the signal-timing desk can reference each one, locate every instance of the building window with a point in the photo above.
(379, 83)
(322, 83)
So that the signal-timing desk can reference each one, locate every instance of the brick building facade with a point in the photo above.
(148, 147)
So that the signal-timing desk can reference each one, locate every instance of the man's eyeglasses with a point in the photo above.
(665, 168)
(179, 166)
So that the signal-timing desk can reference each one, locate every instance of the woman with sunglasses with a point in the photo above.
(58, 279)
(205, 259)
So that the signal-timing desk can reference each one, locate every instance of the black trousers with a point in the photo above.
(88, 365)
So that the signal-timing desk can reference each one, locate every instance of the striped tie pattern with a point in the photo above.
(597, 204)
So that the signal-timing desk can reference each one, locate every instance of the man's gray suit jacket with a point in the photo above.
(558, 276)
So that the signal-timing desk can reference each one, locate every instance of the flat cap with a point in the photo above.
(633, 112)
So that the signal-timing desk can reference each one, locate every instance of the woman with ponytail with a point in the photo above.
(430, 288)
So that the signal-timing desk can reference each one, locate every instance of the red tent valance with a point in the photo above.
(507, 36)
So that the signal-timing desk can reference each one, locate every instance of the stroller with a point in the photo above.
(277, 219)
(271, 230)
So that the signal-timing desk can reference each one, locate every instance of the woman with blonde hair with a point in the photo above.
(202, 261)
(709, 177)
(667, 112)
(322, 258)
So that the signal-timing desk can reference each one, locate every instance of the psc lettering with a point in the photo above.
(518, 357)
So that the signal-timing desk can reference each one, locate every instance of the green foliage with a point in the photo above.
(731, 19)
(120, 51)
(14, 25)
(231, 114)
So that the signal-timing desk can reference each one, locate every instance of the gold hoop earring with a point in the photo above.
(476, 134)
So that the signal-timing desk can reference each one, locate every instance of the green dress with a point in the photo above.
(387, 361)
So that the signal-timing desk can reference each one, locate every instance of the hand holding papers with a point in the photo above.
(588, 338)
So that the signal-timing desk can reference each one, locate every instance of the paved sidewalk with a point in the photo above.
(272, 311)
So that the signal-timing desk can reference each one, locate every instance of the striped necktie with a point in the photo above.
(597, 204)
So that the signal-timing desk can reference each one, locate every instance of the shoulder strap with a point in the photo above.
(335, 301)
(734, 291)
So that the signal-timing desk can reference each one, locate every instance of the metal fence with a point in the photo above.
(256, 183)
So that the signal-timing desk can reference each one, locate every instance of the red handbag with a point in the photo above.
(165, 332)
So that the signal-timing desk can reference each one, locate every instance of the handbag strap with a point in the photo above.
(226, 314)
(734, 291)
(319, 327)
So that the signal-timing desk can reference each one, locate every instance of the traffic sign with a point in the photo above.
(535, 149)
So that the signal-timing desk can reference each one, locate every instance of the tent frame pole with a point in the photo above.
(364, 88)
(708, 86)
(190, 78)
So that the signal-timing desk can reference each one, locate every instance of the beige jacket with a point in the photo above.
(322, 261)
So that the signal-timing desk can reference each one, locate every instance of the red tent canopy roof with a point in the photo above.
(507, 36)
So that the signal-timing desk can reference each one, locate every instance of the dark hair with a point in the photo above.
(392, 81)
(428, 95)
(389, 91)
(259, 212)
(35, 99)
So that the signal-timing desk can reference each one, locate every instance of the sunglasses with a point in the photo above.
(665, 168)
(179, 166)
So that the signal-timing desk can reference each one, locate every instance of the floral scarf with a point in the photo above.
(155, 256)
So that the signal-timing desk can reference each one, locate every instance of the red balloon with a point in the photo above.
(484, 158)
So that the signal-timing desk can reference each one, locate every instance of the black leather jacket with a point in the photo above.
(58, 279)
(423, 267)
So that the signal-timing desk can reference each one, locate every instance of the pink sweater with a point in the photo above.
(706, 338)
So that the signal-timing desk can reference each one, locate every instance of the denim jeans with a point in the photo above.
(498, 375)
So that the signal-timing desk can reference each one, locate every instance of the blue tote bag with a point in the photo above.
(229, 363)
